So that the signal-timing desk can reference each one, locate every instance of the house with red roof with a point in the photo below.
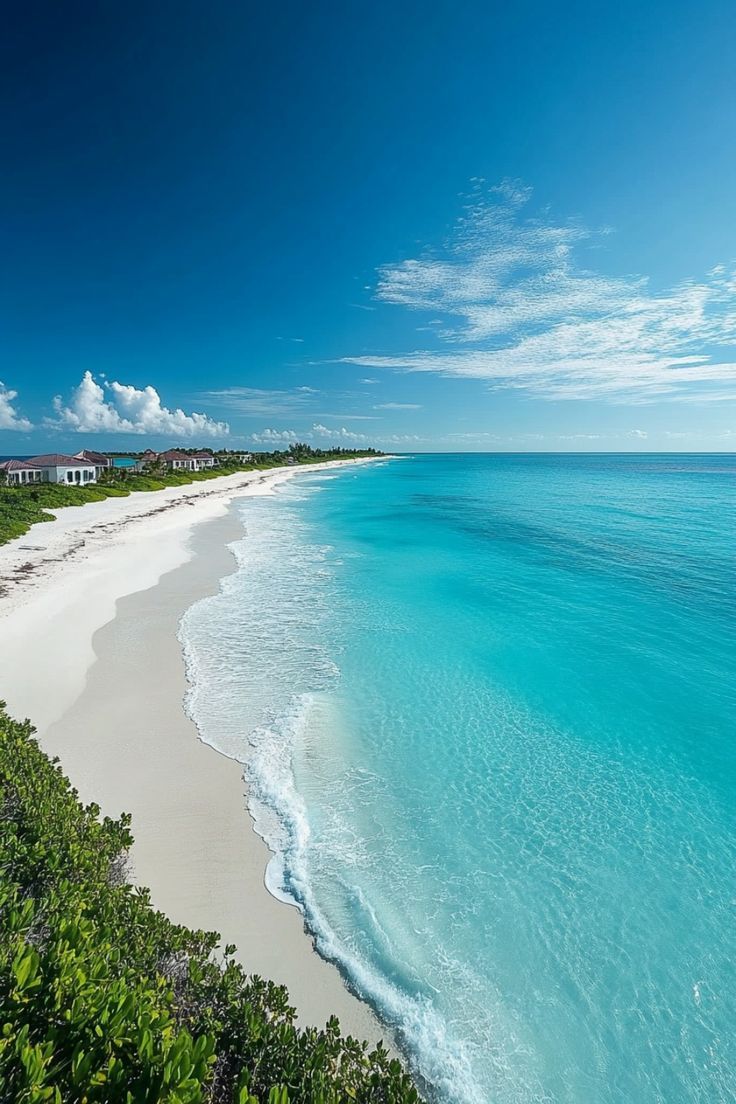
(177, 460)
(21, 471)
(57, 467)
(99, 459)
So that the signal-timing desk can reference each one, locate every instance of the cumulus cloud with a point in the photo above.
(9, 417)
(275, 437)
(122, 408)
(322, 434)
(344, 436)
(520, 311)
(341, 434)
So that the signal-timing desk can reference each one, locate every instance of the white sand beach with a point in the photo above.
(89, 609)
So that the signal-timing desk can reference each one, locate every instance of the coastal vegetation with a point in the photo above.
(23, 506)
(103, 999)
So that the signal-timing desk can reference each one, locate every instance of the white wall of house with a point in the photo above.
(78, 475)
(189, 464)
(27, 475)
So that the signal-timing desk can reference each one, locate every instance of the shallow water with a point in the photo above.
(486, 708)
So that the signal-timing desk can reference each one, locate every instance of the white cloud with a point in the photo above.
(341, 434)
(370, 381)
(9, 417)
(348, 417)
(275, 437)
(397, 406)
(121, 408)
(344, 436)
(522, 312)
(640, 434)
(259, 402)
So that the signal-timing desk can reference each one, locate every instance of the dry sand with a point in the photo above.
(89, 651)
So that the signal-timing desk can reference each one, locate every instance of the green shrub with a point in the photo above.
(24, 506)
(105, 1001)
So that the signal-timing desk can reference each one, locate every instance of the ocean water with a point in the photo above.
(487, 709)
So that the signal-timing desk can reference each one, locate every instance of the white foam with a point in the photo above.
(275, 603)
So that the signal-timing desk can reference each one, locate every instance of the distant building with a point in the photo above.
(176, 460)
(149, 456)
(59, 468)
(99, 460)
(204, 460)
(244, 457)
(21, 471)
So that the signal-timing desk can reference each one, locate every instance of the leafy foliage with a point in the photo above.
(23, 506)
(104, 1001)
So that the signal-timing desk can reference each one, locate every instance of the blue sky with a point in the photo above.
(447, 226)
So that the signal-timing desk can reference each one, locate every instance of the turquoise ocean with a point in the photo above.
(486, 706)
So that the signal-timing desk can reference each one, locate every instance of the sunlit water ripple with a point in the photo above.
(486, 708)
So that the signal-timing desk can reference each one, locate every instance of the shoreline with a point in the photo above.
(101, 605)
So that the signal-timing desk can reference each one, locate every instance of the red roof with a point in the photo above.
(98, 458)
(58, 460)
(18, 465)
(174, 454)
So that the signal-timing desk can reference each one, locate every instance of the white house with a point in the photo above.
(204, 460)
(178, 461)
(21, 471)
(58, 468)
(98, 459)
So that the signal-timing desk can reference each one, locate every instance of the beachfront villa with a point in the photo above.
(176, 460)
(99, 459)
(56, 467)
(21, 471)
(87, 466)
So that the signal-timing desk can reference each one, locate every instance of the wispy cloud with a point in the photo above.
(260, 402)
(349, 417)
(122, 408)
(397, 406)
(520, 311)
(9, 416)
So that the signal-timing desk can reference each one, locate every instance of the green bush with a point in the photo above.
(23, 506)
(105, 1001)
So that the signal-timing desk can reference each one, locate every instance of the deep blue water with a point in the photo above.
(486, 705)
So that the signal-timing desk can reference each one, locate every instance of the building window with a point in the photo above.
(70, 477)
